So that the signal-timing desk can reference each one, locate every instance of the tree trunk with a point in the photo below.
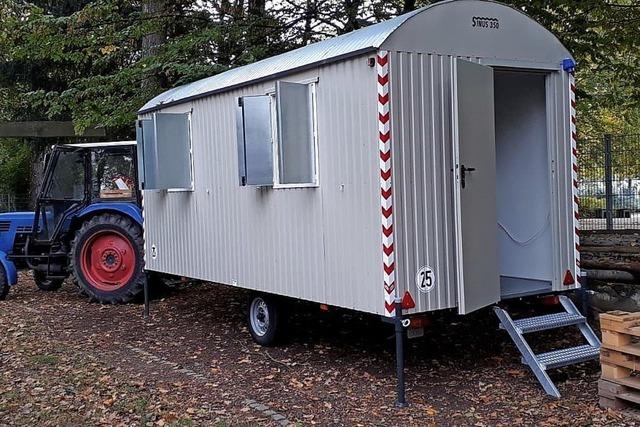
(351, 8)
(152, 41)
(257, 8)
(632, 267)
(611, 276)
(408, 6)
(611, 251)
(309, 13)
(224, 47)
(257, 35)
(37, 171)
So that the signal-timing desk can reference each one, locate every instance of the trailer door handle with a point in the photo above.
(463, 174)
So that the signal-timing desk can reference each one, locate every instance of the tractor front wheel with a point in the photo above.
(107, 259)
(44, 284)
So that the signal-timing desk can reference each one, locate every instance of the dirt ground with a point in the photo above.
(67, 362)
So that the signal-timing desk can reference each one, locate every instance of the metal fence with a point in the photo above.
(609, 182)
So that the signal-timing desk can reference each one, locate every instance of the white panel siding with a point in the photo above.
(562, 191)
(319, 244)
(422, 161)
(350, 182)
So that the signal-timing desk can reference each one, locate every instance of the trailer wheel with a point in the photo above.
(107, 259)
(44, 284)
(265, 319)
(4, 284)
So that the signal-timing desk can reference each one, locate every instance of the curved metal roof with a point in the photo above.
(350, 44)
(357, 42)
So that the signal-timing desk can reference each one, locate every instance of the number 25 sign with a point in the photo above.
(425, 279)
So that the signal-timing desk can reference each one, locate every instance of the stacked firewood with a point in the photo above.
(611, 257)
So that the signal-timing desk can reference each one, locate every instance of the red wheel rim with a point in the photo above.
(107, 260)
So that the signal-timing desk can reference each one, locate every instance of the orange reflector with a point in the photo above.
(550, 300)
(420, 321)
(568, 279)
(324, 307)
(407, 301)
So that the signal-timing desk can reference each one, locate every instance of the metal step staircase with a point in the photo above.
(539, 363)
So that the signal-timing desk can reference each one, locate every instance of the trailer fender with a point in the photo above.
(124, 208)
(9, 268)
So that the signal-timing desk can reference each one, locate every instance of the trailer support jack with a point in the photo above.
(401, 401)
(146, 296)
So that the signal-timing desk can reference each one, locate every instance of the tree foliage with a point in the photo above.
(97, 62)
(15, 177)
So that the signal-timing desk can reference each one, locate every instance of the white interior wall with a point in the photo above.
(523, 176)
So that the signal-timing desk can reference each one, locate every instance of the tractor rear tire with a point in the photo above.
(107, 259)
(4, 284)
(44, 284)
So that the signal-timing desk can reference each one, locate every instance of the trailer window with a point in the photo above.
(295, 150)
(276, 136)
(167, 160)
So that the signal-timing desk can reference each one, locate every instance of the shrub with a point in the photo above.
(589, 203)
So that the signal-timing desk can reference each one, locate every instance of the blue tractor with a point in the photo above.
(87, 224)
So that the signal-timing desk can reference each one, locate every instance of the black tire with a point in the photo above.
(44, 284)
(4, 284)
(130, 232)
(266, 319)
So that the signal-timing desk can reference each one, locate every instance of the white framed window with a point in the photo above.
(277, 137)
(295, 148)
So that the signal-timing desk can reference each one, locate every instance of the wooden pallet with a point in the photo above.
(616, 396)
(116, 194)
(621, 331)
(619, 387)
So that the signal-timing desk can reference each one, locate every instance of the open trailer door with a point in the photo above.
(475, 186)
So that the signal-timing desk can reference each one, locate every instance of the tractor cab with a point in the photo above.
(87, 223)
(77, 176)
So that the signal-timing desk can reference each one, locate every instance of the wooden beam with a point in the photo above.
(632, 267)
(44, 130)
(611, 249)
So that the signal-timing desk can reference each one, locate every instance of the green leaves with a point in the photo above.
(14, 176)
(97, 62)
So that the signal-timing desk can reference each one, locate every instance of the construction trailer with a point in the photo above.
(431, 157)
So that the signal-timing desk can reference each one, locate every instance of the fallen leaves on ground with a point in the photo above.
(67, 362)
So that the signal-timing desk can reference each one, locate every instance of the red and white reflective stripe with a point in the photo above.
(574, 172)
(144, 232)
(386, 191)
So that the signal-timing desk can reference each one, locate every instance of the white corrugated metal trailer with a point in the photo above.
(432, 154)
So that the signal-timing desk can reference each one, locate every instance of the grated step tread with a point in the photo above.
(568, 356)
(548, 321)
